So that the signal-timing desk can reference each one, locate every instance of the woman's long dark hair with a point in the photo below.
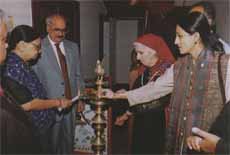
(197, 22)
(21, 33)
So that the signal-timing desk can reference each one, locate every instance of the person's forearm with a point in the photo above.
(38, 104)
(153, 90)
(146, 94)
(120, 96)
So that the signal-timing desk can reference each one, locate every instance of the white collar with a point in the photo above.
(53, 43)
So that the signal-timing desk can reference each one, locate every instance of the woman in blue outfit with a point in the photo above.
(24, 85)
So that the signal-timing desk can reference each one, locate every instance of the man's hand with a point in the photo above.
(80, 106)
(107, 93)
(205, 142)
(121, 91)
(65, 103)
(120, 120)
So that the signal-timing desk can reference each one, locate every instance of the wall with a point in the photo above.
(20, 10)
(89, 36)
(119, 35)
(222, 18)
(126, 33)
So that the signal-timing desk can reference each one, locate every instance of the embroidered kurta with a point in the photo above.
(21, 72)
(196, 97)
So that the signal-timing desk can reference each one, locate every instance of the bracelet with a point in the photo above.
(59, 103)
(29, 107)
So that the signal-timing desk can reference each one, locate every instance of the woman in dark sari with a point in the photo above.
(23, 84)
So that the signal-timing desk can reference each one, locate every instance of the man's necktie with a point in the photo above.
(64, 70)
(1, 91)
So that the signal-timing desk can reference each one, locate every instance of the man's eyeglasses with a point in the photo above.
(57, 30)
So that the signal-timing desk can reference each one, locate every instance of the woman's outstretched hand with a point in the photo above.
(109, 94)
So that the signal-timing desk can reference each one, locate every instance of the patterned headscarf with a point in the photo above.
(151, 41)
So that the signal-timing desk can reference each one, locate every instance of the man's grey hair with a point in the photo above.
(50, 18)
(2, 16)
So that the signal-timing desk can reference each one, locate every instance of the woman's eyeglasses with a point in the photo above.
(37, 46)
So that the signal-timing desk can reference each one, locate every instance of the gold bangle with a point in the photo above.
(59, 102)
(28, 106)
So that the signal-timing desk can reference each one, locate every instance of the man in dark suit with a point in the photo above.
(17, 135)
(218, 139)
(59, 71)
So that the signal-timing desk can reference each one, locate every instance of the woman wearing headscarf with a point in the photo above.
(155, 56)
(197, 82)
